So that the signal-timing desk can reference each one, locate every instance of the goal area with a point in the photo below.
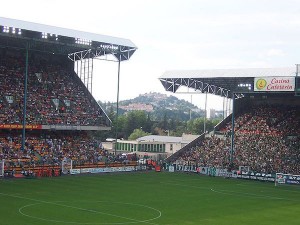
(287, 179)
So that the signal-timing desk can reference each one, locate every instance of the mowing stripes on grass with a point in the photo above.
(146, 198)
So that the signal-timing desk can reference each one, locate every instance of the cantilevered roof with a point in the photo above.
(221, 82)
(219, 73)
(65, 32)
(15, 33)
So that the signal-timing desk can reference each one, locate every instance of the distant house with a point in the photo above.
(137, 106)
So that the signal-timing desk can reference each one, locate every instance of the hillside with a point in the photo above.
(158, 106)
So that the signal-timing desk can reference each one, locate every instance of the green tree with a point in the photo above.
(196, 126)
(135, 120)
(137, 133)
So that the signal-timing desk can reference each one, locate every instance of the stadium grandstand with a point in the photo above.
(47, 110)
(260, 136)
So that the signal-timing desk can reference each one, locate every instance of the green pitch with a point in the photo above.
(148, 198)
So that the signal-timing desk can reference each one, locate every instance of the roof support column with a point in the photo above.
(205, 113)
(117, 114)
(232, 133)
(25, 99)
(223, 108)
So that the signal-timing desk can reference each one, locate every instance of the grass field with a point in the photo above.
(146, 198)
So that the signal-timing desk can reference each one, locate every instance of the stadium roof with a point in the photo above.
(221, 82)
(41, 36)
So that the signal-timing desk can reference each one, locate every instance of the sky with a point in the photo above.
(175, 35)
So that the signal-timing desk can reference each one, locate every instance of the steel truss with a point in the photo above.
(173, 84)
(84, 60)
(119, 52)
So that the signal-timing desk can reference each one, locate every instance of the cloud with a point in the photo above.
(269, 53)
(275, 52)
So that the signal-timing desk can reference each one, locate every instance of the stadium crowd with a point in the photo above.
(53, 148)
(267, 139)
(54, 96)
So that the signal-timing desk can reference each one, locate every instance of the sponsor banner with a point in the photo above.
(96, 170)
(274, 84)
(210, 171)
(185, 168)
(74, 171)
(129, 168)
(203, 170)
(2, 168)
(222, 173)
(20, 126)
(292, 181)
(141, 167)
(85, 170)
(66, 166)
(288, 179)
(256, 176)
(233, 174)
(103, 170)
(171, 169)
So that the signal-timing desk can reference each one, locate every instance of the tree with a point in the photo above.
(135, 119)
(137, 133)
(196, 126)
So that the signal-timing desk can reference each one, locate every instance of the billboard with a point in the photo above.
(20, 126)
(287, 179)
(2, 168)
(274, 84)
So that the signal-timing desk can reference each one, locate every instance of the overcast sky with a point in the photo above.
(175, 35)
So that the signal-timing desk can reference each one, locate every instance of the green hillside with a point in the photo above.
(159, 105)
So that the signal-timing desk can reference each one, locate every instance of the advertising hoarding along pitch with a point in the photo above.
(274, 84)
(20, 126)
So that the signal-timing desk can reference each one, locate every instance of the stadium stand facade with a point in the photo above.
(266, 137)
(266, 140)
(61, 115)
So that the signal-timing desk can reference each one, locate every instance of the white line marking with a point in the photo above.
(183, 185)
(88, 210)
(226, 192)
(245, 194)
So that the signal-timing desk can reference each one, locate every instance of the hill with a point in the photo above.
(158, 106)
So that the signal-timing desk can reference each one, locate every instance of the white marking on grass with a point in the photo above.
(184, 185)
(272, 187)
(226, 192)
(246, 194)
(133, 221)
(93, 211)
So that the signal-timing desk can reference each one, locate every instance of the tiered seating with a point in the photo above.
(54, 97)
(50, 148)
(267, 138)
